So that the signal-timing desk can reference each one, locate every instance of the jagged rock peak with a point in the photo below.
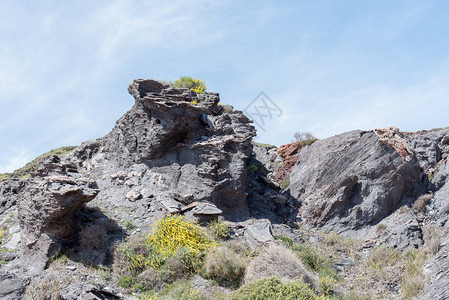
(173, 141)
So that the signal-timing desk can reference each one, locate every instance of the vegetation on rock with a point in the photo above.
(32, 166)
(196, 85)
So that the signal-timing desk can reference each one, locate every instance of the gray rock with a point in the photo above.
(47, 207)
(177, 142)
(8, 192)
(13, 242)
(426, 145)
(258, 233)
(12, 287)
(351, 180)
(437, 270)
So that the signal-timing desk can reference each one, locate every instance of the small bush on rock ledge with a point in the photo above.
(196, 85)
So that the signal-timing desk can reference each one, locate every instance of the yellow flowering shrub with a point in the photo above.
(196, 85)
(171, 236)
(327, 284)
(175, 235)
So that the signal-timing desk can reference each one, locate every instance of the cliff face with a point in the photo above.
(350, 181)
(173, 148)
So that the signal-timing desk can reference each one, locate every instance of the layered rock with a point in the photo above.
(48, 204)
(353, 179)
(47, 210)
(172, 148)
(437, 271)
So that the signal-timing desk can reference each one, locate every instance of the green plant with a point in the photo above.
(381, 228)
(225, 266)
(327, 284)
(33, 165)
(196, 85)
(126, 281)
(311, 257)
(105, 274)
(219, 229)
(274, 288)
(287, 241)
(285, 183)
(174, 233)
(171, 236)
(129, 225)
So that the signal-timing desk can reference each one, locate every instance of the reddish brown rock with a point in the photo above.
(290, 153)
(289, 149)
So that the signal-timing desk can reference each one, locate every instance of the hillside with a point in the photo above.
(178, 202)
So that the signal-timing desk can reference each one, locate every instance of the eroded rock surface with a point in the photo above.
(438, 272)
(47, 210)
(351, 180)
(172, 143)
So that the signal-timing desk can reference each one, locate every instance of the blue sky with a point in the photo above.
(331, 66)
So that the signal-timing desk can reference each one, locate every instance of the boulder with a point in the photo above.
(258, 233)
(353, 179)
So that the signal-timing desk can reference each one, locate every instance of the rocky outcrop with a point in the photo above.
(47, 204)
(173, 143)
(392, 137)
(290, 153)
(47, 208)
(8, 191)
(352, 180)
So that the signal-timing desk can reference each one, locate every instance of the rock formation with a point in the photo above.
(172, 148)
(351, 180)
(176, 151)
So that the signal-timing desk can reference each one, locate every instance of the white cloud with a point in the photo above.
(16, 161)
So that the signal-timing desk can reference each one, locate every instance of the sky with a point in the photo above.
(326, 66)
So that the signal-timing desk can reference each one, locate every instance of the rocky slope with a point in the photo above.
(176, 151)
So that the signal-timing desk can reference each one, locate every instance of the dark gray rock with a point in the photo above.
(352, 180)
(427, 147)
(12, 287)
(437, 270)
(47, 208)
(172, 142)
(8, 194)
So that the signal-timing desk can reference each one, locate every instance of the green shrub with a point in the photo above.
(257, 167)
(310, 257)
(34, 164)
(287, 241)
(273, 288)
(225, 266)
(219, 229)
(171, 236)
(381, 228)
(129, 225)
(196, 85)
(126, 281)
(285, 183)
